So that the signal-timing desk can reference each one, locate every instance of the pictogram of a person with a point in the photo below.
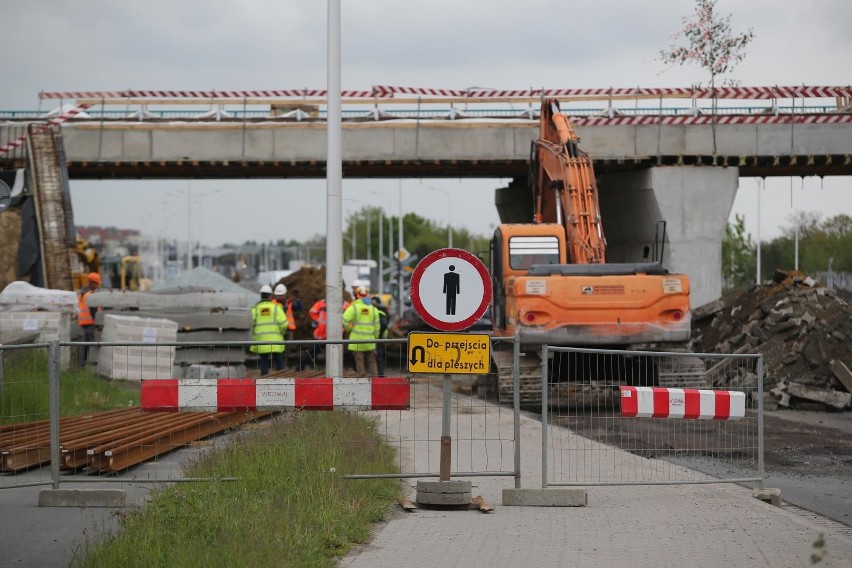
(451, 288)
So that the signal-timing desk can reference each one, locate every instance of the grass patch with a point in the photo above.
(289, 507)
(25, 389)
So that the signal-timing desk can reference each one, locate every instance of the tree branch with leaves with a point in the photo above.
(711, 44)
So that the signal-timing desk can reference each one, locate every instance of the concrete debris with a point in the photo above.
(801, 329)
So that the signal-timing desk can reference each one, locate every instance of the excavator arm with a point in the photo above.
(564, 186)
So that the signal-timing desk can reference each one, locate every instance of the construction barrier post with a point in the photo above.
(516, 405)
(446, 438)
(54, 365)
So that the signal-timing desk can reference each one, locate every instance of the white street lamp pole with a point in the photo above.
(399, 272)
(334, 194)
(449, 215)
(188, 226)
(758, 228)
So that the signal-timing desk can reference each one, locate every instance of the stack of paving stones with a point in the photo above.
(136, 362)
(803, 331)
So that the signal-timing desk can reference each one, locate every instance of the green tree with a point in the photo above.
(738, 255)
(819, 241)
(710, 43)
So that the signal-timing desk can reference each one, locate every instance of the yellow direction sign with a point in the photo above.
(449, 353)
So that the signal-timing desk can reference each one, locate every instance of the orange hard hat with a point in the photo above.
(94, 277)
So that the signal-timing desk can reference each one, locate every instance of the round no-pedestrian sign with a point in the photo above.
(450, 289)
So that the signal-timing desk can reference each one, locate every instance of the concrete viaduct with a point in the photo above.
(650, 168)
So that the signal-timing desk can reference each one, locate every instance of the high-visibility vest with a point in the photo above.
(84, 313)
(320, 316)
(269, 323)
(291, 325)
(362, 321)
(288, 309)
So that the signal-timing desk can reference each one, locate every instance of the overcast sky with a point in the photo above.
(281, 44)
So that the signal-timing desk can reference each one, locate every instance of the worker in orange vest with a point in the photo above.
(85, 319)
(280, 298)
(319, 317)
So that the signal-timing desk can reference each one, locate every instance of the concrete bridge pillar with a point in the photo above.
(694, 201)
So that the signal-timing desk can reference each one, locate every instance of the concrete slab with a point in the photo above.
(82, 498)
(567, 497)
(769, 495)
(453, 492)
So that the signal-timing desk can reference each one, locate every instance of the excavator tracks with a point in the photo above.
(587, 380)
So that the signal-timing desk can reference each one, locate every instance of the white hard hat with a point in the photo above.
(266, 289)
(280, 290)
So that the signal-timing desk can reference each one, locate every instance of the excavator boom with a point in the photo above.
(564, 186)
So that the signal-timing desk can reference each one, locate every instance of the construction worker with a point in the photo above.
(85, 318)
(319, 317)
(383, 334)
(269, 323)
(361, 320)
(280, 298)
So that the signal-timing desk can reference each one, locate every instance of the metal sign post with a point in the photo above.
(450, 290)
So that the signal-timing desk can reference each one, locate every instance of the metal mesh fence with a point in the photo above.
(103, 434)
(622, 417)
(24, 413)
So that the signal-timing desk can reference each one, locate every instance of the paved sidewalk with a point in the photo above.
(636, 526)
(631, 526)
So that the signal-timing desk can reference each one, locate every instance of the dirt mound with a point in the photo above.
(308, 284)
(802, 329)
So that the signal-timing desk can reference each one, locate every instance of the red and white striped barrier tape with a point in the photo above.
(19, 141)
(704, 119)
(385, 91)
(237, 395)
(690, 404)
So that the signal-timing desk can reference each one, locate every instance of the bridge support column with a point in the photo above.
(694, 201)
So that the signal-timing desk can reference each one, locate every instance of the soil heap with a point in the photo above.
(307, 283)
(802, 329)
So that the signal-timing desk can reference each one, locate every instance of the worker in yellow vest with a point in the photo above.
(269, 323)
(361, 320)
(85, 318)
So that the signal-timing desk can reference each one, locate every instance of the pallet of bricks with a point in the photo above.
(136, 362)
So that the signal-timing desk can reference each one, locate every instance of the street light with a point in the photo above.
(381, 249)
(449, 215)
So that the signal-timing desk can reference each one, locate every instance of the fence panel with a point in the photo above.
(483, 430)
(24, 414)
(103, 434)
(636, 417)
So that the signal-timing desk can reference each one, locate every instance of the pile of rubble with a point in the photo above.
(803, 331)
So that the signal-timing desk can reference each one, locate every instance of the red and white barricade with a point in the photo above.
(689, 404)
(237, 395)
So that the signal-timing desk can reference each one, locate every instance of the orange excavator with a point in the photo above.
(552, 283)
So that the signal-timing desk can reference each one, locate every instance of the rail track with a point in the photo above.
(114, 441)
